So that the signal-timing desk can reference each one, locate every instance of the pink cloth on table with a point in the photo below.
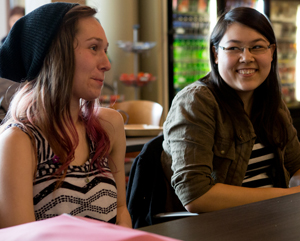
(69, 228)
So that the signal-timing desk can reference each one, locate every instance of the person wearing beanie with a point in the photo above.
(59, 151)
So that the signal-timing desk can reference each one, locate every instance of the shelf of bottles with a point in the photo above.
(283, 16)
(136, 79)
(257, 4)
(191, 25)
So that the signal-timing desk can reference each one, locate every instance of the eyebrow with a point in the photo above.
(253, 41)
(98, 39)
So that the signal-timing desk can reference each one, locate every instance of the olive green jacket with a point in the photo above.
(201, 148)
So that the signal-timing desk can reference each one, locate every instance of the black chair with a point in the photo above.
(150, 197)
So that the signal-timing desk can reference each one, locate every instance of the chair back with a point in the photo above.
(148, 191)
(140, 112)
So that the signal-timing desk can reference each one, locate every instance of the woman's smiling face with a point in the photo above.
(245, 71)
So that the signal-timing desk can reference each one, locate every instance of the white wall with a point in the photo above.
(3, 19)
(33, 4)
(117, 18)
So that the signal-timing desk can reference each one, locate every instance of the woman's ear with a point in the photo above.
(215, 54)
(273, 47)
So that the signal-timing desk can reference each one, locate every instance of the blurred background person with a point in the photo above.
(15, 14)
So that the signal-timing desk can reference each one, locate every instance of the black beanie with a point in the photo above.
(23, 52)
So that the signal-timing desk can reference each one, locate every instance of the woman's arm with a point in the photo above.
(114, 125)
(190, 129)
(17, 165)
(222, 196)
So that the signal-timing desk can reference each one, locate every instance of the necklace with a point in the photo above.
(87, 180)
(55, 159)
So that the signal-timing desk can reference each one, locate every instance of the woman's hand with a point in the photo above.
(123, 217)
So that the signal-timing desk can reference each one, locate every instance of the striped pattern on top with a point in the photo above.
(259, 167)
(85, 191)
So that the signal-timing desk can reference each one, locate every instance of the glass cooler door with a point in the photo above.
(284, 16)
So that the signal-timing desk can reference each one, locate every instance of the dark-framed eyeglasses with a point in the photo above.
(256, 50)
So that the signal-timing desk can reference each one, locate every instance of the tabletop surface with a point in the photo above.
(273, 219)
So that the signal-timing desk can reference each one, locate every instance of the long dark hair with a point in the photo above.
(267, 97)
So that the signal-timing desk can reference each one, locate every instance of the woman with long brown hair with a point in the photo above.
(59, 151)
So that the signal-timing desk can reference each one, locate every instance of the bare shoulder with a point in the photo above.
(110, 117)
(16, 147)
(14, 135)
(15, 141)
(112, 122)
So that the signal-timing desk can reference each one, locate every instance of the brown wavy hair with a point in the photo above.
(45, 101)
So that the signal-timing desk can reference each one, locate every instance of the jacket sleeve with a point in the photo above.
(292, 149)
(189, 139)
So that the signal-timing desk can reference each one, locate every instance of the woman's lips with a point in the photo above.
(246, 71)
(100, 80)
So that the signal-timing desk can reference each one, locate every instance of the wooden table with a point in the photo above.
(273, 219)
(134, 144)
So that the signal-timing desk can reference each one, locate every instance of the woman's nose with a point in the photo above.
(104, 63)
(246, 56)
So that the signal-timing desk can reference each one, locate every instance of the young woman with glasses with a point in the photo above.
(229, 138)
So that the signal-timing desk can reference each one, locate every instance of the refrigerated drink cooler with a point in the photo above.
(189, 33)
(283, 15)
(285, 18)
